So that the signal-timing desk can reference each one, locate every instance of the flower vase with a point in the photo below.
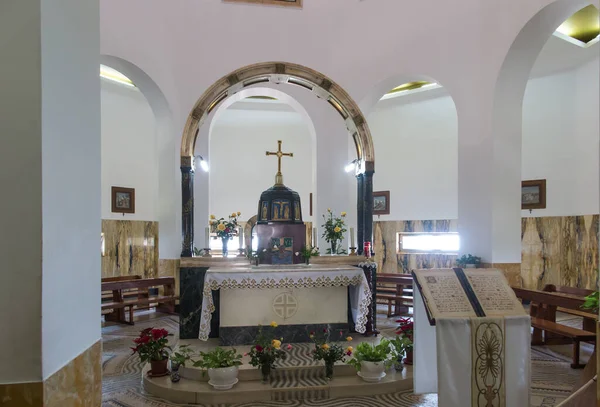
(307, 261)
(329, 370)
(265, 371)
(398, 365)
(256, 261)
(175, 376)
(334, 246)
(225, 241)
(408, 360)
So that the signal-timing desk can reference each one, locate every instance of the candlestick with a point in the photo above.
(351, 237)
(314, 243)
(207, 237)
(241, 233)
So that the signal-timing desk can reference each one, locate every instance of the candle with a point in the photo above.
(351, 237)
(241, 232)
(314, 237)
(207, 238)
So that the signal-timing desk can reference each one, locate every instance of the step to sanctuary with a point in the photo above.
(287, 383)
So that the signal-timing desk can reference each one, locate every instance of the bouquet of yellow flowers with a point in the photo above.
(225, 228)
(328, 351)
(334, 229)
(266, 351)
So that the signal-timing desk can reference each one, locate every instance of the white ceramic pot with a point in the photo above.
(372, 371)
(223, 378)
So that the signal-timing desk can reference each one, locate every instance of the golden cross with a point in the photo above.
(279, 154)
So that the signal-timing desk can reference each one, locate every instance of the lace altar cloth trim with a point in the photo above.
(360, 293)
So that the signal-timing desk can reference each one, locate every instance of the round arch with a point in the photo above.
(278, 73)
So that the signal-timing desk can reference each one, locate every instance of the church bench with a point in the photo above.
(107, 296)
(543, 319)
(400, 295)
(575, 334)
(120, 304)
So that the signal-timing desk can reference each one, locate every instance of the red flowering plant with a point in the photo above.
(152, 344)
(406, 331)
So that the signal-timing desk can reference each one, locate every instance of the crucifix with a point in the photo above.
(279, 154)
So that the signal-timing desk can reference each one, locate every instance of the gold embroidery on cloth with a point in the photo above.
(488, 388)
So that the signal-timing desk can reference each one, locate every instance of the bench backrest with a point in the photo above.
(140, 283)
(580, 292)
(563, 300)
(121, 278)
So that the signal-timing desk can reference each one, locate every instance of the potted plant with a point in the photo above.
(255, 256)
(179, 357)
(329, 352)
(591, 302)
(266, 351)
(334, 229)
(400, 345)
(152, 346)
(370, 361)
(307, 252)
(468, 261)
(225, 229)
(406, 333)
(222, 366)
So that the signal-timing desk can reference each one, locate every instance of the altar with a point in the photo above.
(300, 299)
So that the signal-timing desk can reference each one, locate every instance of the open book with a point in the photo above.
(465, 293)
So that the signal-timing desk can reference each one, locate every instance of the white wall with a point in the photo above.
(71, 181)
(417, 153)
(239, 169)
(561, 140)
(21, 181)
(129, 150)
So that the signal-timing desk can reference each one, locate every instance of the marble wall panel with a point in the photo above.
(78, 383)
(22, 394)
(130, 248)
(385, 245)
(561, 250)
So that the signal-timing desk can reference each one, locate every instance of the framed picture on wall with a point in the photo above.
(533, 194)
(381, 203)
(123, 200)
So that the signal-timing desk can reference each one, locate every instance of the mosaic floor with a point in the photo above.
(552, 377)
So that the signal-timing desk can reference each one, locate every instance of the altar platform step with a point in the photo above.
(287, 383)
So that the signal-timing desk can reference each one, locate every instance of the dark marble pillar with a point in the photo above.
(187, 206)
(371, 276)
(191, 293)
(368, 202)
(360, 216)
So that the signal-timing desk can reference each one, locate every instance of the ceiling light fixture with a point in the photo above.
(203, 163)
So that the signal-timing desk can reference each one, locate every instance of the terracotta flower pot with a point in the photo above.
(158, 367)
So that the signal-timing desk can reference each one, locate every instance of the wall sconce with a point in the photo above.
(203, 163)
(352, 166)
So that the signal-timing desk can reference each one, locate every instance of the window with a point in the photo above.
(290, 3)
(428, 242)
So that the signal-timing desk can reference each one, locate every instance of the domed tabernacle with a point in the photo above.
(279, 204)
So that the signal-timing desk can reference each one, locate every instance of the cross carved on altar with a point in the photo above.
(279, 154)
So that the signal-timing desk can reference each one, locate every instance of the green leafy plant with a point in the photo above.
(198, 252)
(218, 358)
(468, 259)
(591, 302)
(308, 252)
(401, 345)
(181, 355)
(152, 344)
(366, 352)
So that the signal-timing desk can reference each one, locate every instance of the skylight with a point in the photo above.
(107, 72)
(582, 28)
(410, 87)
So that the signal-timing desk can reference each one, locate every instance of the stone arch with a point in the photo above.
(280, 72)
(293, 74)
(250, 223)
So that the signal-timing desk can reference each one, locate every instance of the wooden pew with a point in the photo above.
(543, 318)
(107, 296)
(398, 295)
(119, 304)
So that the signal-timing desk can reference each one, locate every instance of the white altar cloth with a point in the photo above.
(287, 277)
(442, 359)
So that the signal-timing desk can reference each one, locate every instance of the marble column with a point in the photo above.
(368, 203)
(360, 216)
(187, 206)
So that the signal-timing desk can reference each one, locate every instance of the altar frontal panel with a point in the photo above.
(253, 307)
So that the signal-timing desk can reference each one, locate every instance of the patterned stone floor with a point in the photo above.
(552, 377)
